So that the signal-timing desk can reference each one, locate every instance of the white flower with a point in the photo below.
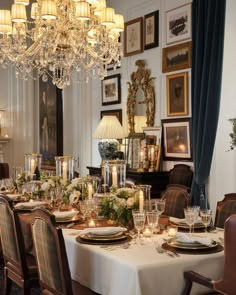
(130, 202)
(74, 197)
(75, 181)
(45, 186)
(51, 183)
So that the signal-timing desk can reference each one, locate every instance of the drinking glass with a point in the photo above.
(206, 215)
(160, 206)
(190, 216)
(152, 219)
(139, 220)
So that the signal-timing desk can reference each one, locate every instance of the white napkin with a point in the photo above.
(103, 231)
(182, 220)
(185, 238)
(64, 214)
(30, 205)
(13, 196)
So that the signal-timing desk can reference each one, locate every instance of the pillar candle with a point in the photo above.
(141, 200)
(64, 171)
(152, 153)
(90, 191)
(32, 167)
(141, 156)
(114, 176)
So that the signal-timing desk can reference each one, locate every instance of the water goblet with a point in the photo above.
(152, 219)
(160, 206)
(206, 215)
(139, 220)
(189, 214)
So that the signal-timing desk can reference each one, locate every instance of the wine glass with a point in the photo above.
(190, 216)
(206, 215)
(139, 220)
(160, 205)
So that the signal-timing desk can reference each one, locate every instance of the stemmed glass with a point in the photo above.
(139, 220)
(206, 217)
(152, 219)
(190, 216)
(160, 206)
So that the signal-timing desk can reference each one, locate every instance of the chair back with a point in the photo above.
(51, 257)
(4, 170)
(224, 209)
(228, 283)
(177, 198)
(181, 174)
(11, 235)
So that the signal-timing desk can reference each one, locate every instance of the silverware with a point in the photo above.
(70, 225)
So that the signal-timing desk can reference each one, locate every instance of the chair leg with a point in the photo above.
(188, 285)
(7, 283)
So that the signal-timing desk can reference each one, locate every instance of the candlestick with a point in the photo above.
(64, 171)
(114, 176)
(141, 200)
(90, 191)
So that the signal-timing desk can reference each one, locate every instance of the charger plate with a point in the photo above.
(190, 246)
(209, 250)
(84, 239)
(186, 226)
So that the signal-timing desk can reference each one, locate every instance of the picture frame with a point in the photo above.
(178, 24)
(133, 150)
(133, 37)
(177, 57)
(110, 67)
(116, 112)
(177, 94)
(50, 123)
(177, 139)
(151, 30)
(111, 90)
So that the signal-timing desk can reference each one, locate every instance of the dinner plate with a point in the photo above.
(115, 237)
(190, 246)
(30, 205)
(186, 226)
(65, 220)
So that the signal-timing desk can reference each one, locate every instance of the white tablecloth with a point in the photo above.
(138, 270)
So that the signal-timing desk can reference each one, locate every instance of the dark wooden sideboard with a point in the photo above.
(158, 180)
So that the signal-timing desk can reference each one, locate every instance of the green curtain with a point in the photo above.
(208, 19)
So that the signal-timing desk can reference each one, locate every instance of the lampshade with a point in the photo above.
(82, 10)
(24, 2)
(18, 13)
(109, 128)
(108, 131)
(119, 23)
(108, 16)
(48, 9)
(5, 17)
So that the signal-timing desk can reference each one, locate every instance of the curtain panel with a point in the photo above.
(208, 21)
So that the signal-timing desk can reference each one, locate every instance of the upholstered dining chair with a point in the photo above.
(50, 252)
(177, 198)
(19, 267)
(224, 209)
(181, 174)
(4, 170)
(226, 284)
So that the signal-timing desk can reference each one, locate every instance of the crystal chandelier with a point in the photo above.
(63, 37)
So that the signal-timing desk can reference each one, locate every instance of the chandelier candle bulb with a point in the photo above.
(64, 171)
(114, 176)
(141, 201)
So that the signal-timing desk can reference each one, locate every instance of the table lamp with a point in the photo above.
(108, 131)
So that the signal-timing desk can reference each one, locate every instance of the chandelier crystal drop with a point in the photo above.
(61, 38)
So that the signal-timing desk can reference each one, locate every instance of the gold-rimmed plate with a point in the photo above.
(105, 241)
(191, 246)
(75, 218)
(115, 237)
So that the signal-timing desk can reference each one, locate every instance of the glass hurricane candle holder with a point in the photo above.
(143, 194)
(65, 167)
(114, 172)
(32, 164)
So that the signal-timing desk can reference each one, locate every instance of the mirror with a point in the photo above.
(141, 98)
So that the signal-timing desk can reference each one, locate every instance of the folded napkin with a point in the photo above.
(103, 231)
(13, 196)
(30, 205)
(190, 239)
(65, 214)
(182, 220)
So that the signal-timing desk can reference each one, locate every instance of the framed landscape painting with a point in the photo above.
(178, 24)
(176, 139)
(177, 57)
(111, 90)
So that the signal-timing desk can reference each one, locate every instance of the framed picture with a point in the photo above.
(133, 152)
(177, 57)
(177, 94)
(133, 37)
(176, 139)
(112, 67)
(111, 90)
(178, 24)
(117, 113)
(50, 123)
(151, 30)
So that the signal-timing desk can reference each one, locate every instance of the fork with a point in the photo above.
(159, 249)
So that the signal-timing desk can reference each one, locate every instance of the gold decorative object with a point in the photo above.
(141, 80)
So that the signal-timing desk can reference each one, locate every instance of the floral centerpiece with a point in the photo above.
(21, 179)
(118, 205)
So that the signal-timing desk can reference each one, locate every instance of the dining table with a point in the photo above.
(139, 268)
